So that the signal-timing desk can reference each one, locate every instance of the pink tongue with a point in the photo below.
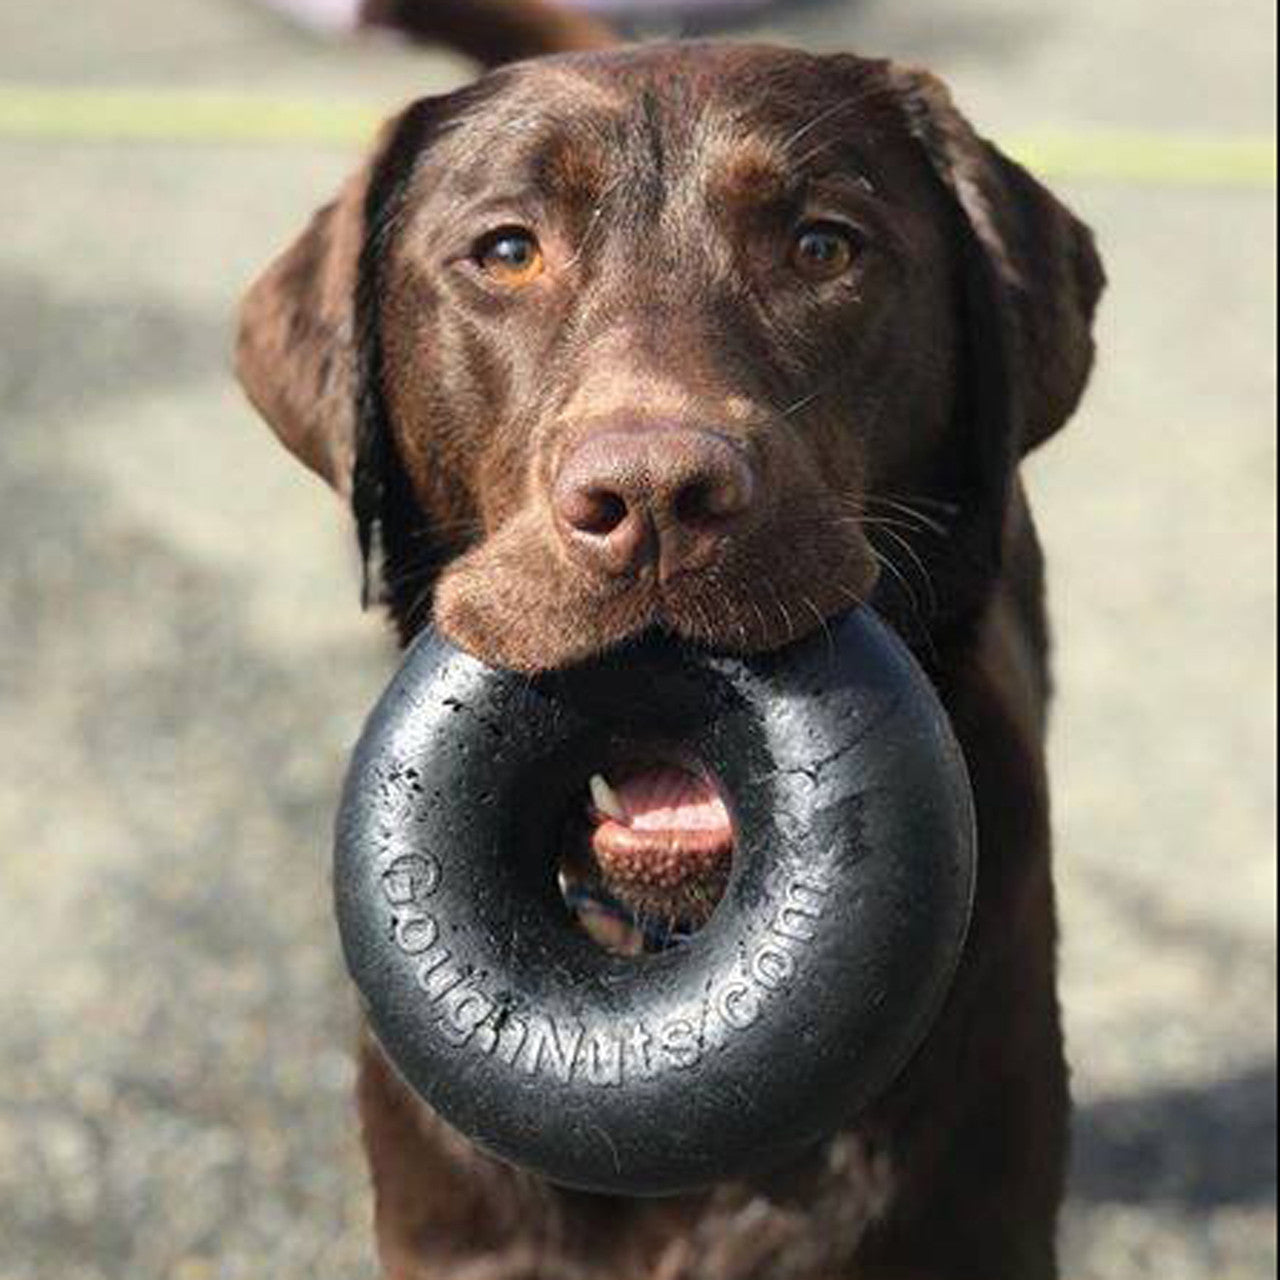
(677, 828)
(667, 799)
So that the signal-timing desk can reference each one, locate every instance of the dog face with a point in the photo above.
(665, 342)
(697, 337)
(670, 337)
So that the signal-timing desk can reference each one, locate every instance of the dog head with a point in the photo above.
(708, 338)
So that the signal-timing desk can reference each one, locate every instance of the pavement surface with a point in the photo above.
(183, 665)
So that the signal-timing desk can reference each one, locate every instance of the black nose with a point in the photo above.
(667, 495)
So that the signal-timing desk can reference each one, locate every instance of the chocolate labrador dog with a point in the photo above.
(719, 340)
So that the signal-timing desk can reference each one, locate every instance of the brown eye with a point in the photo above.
(510, 256)
(823, 250)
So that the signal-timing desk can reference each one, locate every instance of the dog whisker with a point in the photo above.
(788, 626)
(887, 522)
(926, 579)
(803, 403)
(847, 104)
(887, 563)
(823, 623)
(907, 509)
(596, 215)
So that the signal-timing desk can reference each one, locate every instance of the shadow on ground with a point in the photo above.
(1198, 1150)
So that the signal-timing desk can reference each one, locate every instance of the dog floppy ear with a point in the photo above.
(1034, 275)
(296, 350)
(308, 351)
(299, 346)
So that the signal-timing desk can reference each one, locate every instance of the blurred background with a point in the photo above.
(183, 663)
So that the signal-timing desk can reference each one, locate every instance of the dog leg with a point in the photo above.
(442, 1210)
(980, 1201)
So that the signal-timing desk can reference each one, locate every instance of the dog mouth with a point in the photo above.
(649, 858)
(524, 612)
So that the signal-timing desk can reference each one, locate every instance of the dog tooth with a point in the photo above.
(606, 799)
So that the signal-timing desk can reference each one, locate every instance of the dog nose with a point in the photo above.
(628, 497)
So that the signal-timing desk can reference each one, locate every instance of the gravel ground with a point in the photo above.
(182, 663)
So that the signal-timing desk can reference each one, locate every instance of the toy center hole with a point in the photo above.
(647, 854)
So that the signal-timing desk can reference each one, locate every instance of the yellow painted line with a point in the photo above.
(39, 113)
(177, 115)
(1156, 159)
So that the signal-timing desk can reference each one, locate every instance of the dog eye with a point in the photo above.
(824, 250)
(509, 255)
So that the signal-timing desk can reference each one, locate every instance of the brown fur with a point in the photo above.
(491, 31)
(662, 182)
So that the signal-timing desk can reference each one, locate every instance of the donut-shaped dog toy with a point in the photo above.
(805, 993)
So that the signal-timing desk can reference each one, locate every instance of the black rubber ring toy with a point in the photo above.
(811, 985)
